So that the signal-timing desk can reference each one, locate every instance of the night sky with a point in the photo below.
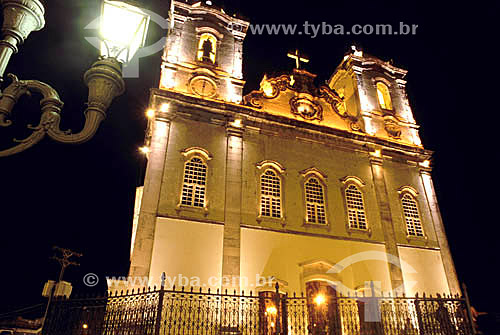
(82, 197)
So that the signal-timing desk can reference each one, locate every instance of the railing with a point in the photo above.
(174, 312)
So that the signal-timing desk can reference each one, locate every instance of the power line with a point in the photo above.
(21, 310)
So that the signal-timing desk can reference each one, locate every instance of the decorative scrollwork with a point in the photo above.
(269, 89)
(105, 83)
(306, 102)
(179, 312)
(336, 102)
(392, 127)
(331, 97)
(254, 99)
(306, 108)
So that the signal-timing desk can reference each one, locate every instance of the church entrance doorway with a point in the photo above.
(323, 308)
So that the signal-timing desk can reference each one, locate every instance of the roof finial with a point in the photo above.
(357, 52)
(298, 58)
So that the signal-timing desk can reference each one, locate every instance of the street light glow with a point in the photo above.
(320, 299)
(150, 113)
(271, 310)
(123, 30)
(145, 150)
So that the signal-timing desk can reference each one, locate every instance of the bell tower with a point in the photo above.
(204, 52)
(375, 91)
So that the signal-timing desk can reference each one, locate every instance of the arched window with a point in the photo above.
(412, 216)
(270, 195)
(315, 201)
(194, 183)
(383, 95)
(207, 48)
(355, 207)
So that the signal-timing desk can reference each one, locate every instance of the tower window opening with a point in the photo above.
(207, 48)
(383, 95)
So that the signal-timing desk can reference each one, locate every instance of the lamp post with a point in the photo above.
(123, 30)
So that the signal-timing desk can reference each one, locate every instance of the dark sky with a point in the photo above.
(82, 197)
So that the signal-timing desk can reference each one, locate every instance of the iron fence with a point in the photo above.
(180, 312)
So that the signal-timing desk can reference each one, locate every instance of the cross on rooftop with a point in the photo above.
(298, 58)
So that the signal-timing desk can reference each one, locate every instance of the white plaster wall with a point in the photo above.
(137, 209)
(428, 275)
(268, 253)
(187, 248)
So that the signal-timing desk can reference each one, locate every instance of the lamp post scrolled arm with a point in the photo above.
(104, 80)
(51, 106)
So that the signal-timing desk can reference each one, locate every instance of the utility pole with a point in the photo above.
(64, 261)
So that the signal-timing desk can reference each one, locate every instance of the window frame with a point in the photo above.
(188, 155)
(388, 105)
(359, 184)
(411, 192)
(279, 171)
(307, 175)
(216, 38)
(199, 51)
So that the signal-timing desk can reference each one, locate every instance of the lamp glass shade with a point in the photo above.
(123, 30)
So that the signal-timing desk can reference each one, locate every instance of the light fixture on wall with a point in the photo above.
(123, 29)
(271, 310)
(319, 300)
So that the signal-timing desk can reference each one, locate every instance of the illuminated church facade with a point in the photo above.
(308, 185)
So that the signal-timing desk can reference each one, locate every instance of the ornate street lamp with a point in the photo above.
(123, 29)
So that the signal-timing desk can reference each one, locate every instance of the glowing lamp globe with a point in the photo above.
(123, 30)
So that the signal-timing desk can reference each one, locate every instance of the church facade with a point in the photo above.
(306, 186)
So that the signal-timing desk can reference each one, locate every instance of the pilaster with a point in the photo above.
(143, 246)
(232, 234)
(391, 248)
(430, 195)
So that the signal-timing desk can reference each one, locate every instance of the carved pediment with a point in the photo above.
(305, 100)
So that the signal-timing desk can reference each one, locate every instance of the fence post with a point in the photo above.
(278, 307)
(469, 310)
(159, 312)
(284, 314)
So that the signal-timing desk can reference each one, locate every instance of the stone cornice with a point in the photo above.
(212, 10)
(260, 119)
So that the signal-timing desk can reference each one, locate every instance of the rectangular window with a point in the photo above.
(270, 195)
(355, 208)
(194, 184)
(315, 202)
(412, 217)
